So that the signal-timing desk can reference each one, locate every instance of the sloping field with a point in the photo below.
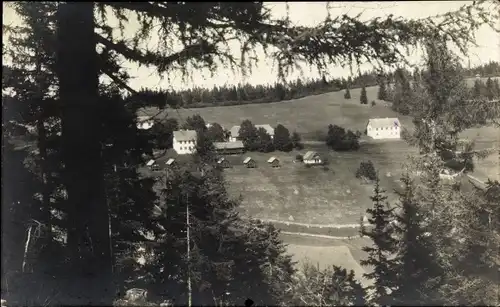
(326, 252)
(309, 116)
(316, 195)
(313, 195)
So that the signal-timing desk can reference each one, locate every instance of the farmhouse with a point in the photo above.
(274, 162)
(224, 163)
(384, 128)
(184, 141)
(249, 162)
(234, 133)
(312, 158)
(229, 148)
(144, 122)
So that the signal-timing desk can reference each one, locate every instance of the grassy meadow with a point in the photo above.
(316, 195)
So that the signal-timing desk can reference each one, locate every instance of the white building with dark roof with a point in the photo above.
(234, 133)
(184, 142)
(384, 128)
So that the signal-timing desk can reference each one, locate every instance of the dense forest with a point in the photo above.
(82, 225)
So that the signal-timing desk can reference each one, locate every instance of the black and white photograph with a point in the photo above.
(250, 153)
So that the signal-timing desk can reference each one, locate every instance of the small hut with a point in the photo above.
(170, 162)
(153, 165)
(224, 163)
(275, 163)
(249, 162)
(312, 158)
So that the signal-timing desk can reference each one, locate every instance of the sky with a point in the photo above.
(308, 13)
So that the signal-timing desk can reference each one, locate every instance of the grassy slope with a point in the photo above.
(315, 195)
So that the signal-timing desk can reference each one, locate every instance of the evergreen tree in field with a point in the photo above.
(249, 135)
(478, 88)
(205, 148)
(216, 133)
(382, 92)
(163, 133)
(381, 251)
(402, 92)
(195, 122)
(490, 90)
(419, 273)
(347, 94)
(265, 143)
(296, 140)
(363, 98)
(282, 139)
(496, 87)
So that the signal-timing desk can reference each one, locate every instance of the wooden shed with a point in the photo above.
(249, 162)
(224, 163)
(229, 148)
(170, 162)
(153, 165)
(312, 158)
(274, 162)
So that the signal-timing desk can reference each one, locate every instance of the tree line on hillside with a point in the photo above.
(226, 95)
(407, 86)
(77, 213)
(491, 69)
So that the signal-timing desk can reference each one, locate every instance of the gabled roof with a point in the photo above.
(310, 155)
(235, 130)
(144, 122)
(272, 159)
(150, 162)
(185, 135)
(268, 128)
(229, 145)
(383, 122)
(170, 161)
(247, 159)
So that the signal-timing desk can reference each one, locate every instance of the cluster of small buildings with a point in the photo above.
(184, 141)
(310, 158)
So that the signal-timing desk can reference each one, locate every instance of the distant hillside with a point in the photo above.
(241, 94)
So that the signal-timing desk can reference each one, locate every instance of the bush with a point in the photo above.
(299, 158)
(363, 99)
(341, 140)
(373, 103)
(347, 94)
(366, 170)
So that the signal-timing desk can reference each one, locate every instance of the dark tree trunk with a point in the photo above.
(88, 233)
